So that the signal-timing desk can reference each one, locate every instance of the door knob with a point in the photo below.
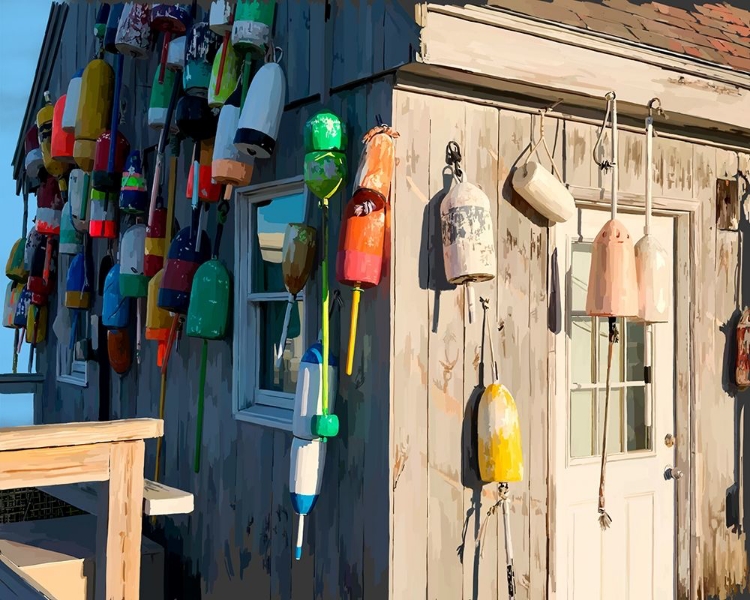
(672, 473)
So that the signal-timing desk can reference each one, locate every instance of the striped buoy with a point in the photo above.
(72, 99)
(115, 306)
(78, 198)
(94, 110)
(113, 23)
(15, 269)
(224, 78)
(182, 263)
(251, 31)
(133, 193)
(230, 166)
(62, 141)
(22, 308)
(102, 215)
(34, 161)
(308, 397)
(71, 240)
(11, 301)
(158, 320)
(49, 205)
(208, 189)
(201, 45)
(176, 55)
(134, 30)
(260, 119)
(158, 107)
(77, 285)
(133, 282)
(102, 179)
(307, 462)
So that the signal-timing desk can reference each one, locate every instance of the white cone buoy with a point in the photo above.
(71, 103)
(307, 462)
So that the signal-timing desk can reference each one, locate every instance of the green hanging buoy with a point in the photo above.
(251, 31)
(325, 131)
(325, 172)
(208, 310)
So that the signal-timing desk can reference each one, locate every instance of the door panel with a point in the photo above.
(634, 559)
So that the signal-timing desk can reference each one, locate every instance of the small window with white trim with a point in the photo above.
(628, 429)
(264, 387)
(72, 366)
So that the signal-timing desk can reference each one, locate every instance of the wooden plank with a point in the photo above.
(693, 100)
(377, 390)
(673, 168)
(631, 202)
(480, 564)
(578, 168)
(281, 519)
(77, 434)
(445, 373)
(410, 362)
(683, 375)
(51, 466)
(632, 169)
(514, 237)
(298, 49)
(15, 584)
(123, 519)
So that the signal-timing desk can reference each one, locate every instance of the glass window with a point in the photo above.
(587, 358)
(72, 366)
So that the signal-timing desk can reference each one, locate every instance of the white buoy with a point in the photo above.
(468, 234)
(308, 458)
(229, 165)
(133, 281)
(544, 192)
(259, 122)
(71, 240)
(71, 103)
(78, 198)
(176, 54)
(308, 397)
(220, 17)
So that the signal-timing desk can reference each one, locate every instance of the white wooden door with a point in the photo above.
(634, 559)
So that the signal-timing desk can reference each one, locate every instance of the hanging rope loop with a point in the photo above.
(453, 158)
(543, 141)
(604, 165)
(614, 338)
(273, 53)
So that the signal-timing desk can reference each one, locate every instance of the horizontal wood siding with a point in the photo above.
(238, 540)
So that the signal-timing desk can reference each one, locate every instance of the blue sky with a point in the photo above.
(24, 24)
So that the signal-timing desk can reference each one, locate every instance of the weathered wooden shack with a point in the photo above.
(402, 510)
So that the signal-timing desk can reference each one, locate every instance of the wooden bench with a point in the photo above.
(16, 585)
(111, 452)
(158, 499)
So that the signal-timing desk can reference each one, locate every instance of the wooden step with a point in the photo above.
(158, 499)
(16, 585)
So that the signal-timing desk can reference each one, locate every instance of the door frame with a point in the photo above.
(686, 221)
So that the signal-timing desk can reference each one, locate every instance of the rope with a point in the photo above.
(502, 501)
(603, 165)
(535, 148)
(614, 337)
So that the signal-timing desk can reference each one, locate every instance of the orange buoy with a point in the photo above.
(360, 252)
(62, 141)
(377, 163)
(158, 320)
(208, 189)
(229, 165)
(94, 111)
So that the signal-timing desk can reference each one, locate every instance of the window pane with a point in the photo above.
(581, 354)
(637, 431)
(614, 429)
(579, 275)
(270, 221)
(271, 321)
(634, 351)
(603, 342)
(581, 424)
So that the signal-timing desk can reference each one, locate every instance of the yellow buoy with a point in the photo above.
(94, 110)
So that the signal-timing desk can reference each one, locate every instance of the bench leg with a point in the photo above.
(121, 513)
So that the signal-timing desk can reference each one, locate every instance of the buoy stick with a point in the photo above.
(171, 191)
(201, 401)
(470, 302)
(284, 329)
(300, 537)
(170, 342)
(324, 291)
(115, 115)
(162, 402)
(161, 148)
(647, 372)
(139, 307)
(85, 200)
(356, 294)
(223, 58)
(47, 263)
(15, 351)
(245, 78)
(164, 53)
(195, 200)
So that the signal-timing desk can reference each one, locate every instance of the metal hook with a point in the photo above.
(551, 107)
(379, 120)
(610, 96)
(453, 158)
(655, 105)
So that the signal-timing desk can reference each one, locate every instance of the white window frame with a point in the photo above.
(250, 403)
(78, 374)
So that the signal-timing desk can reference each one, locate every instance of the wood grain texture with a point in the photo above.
(16, 585)
(78, 434)
(53, 466)
(123, 518)
(411, 189)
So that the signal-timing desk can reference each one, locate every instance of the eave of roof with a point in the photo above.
(47, 56)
